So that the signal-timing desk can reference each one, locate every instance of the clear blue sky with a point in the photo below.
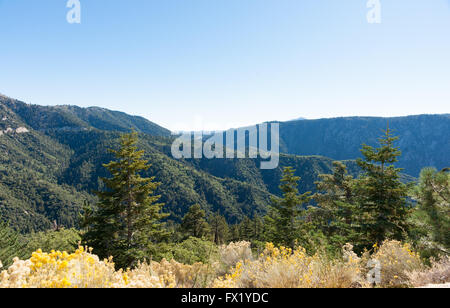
(229, 62)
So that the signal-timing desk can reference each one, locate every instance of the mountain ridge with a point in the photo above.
(69, 116)
(423, 139)
(47, 173)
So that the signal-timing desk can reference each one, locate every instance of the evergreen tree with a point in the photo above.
(128, 218)
(11, 245)
(381, 196)
(258, 227)
(286, 224)
(335, 210)
(219, 229)
(251, 229)
(234, 233)
(432, 214)
(194, 222)
(246, 229)
(85, 217)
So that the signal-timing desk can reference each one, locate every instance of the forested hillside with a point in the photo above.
(73, 118)
(52, 169)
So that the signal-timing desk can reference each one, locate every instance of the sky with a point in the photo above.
(217, 64)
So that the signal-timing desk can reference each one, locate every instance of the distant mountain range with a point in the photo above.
(51, 160)
(424, 139)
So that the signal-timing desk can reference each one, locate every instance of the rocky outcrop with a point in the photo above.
(19, 130)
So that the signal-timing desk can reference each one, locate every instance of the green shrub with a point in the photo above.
(62, 240)
(189, 251)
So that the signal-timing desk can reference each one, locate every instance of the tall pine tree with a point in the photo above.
(285, 221)
(432, 214)
(381, 196)
(219, 229)
(127, 221)
(335, 210)
(11, 245)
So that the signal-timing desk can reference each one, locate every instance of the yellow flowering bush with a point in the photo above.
(275, 267)
(181, 275)
(281, 267)
(397, 260)
(233, 253)
(81, 269)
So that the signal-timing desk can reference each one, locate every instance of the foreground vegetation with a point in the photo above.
(234, 267)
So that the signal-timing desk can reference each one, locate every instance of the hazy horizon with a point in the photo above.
(194, 128)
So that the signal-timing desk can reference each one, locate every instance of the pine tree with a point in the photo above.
(381, 196)
(219, 229)
(85, 217)
(234, 233)
(432, 214)
(335, 210)
(258, 227)
(246, 229)
(11, 245)
(194, 222)
(128, 218)
(285, 215)
(251, 229)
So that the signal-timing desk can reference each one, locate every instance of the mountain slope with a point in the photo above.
(424, 139)
(30, 165)
(235, 188)
(73, 118)
(48, 172)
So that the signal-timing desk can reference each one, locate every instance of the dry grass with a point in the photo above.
(438, 273)
(233, 253)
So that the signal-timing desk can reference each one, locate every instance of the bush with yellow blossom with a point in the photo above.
(286, 268)
(276, 267)
(396, 260)
(82, 269)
